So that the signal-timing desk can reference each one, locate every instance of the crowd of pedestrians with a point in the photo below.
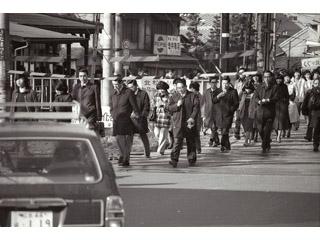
(259, 104)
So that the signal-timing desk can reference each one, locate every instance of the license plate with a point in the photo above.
(31, 219)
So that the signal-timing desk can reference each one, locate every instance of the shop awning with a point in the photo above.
(54, 22)
(151, 58)
(39, 59)
(230, 55)
(248, 53)
(22, 33)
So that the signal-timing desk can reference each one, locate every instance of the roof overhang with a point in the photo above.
(55, 22)
(22, 33)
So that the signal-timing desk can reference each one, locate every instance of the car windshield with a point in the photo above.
(47, 161)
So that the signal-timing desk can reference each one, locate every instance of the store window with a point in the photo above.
(130, 31)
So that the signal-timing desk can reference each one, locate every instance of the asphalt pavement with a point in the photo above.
(240, 188)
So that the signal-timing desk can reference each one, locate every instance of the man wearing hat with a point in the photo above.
(122, 104)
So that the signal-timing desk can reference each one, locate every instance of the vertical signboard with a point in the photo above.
(160, 44)
(173, 45)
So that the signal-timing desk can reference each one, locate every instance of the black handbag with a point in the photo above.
(100, 128)
(153, 115)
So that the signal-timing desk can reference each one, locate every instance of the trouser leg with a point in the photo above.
(146, 144)
(198, 141)
(175, 152)
(225, 143)
(191, 147)
(124, 143)
(267, 128)
(237, 125)
(163, 138)
(309, 128)
(316, 132)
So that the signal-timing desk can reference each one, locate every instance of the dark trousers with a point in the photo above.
(309, 128)
(198, 142)
(265, 129)
(125, 144)
(214, 135)
(316, 131)
(237, 124)
(191, 147)
(225, 143)
(146, 144)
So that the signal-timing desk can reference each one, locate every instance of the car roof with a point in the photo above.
(44, 129)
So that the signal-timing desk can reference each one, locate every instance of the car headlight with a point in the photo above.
(114, 212)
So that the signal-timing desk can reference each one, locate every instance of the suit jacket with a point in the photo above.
(266, 110)
(210, 108)
(189, 109)
(89, 99)
(121, 106)
(227, 105)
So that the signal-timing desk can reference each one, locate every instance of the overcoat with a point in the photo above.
(143, 102)
(282, 120)
(121, 106)
(228, 104)
(189, 109)
(265, 110)
(210, 108)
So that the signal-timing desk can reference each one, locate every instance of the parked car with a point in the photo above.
(55, 174)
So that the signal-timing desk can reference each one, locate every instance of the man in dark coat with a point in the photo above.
(122, 103)
(315, 113)
(228, 101)
(141, 126)
(266, 97)
(210, 110)
(185, 107)
(238, 85)
(88, 95)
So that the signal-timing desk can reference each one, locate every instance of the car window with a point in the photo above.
(48, 161)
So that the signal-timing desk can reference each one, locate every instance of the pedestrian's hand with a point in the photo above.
(179, 103)
(190, 123)
(220, 95)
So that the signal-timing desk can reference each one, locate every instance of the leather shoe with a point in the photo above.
(173, 163)
(125, 164)
(192, 164)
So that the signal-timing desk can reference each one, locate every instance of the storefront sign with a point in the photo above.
(310, 63)
(167, 45)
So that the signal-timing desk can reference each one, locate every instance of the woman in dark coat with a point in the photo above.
(246, 111)
(228, 103)
(23, 93)
(62, 95)
(281, 121)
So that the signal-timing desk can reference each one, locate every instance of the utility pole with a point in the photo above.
(224, 41)
(118, 42)
(96, 17)
(4, 57)
(274, 41)
(266, 41)
(259, 56)
(107, 68)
